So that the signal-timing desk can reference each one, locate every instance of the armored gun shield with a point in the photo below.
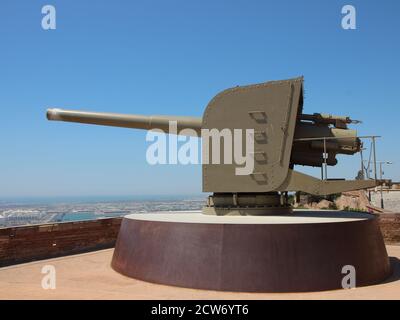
(266, 114)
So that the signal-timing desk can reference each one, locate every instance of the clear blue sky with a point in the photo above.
(172, 57)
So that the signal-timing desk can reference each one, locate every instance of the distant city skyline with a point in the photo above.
(171, 58)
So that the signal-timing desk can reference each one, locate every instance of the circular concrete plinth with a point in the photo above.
(302, 252)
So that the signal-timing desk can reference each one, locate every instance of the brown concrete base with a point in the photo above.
(303, 252)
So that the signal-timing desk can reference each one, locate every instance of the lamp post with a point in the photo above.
(381, 174)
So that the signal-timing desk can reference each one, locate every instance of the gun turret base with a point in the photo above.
(247, 204)
(304, 251)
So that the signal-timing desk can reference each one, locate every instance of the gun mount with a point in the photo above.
(282, 137)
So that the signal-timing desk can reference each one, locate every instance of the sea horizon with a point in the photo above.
(96, 198)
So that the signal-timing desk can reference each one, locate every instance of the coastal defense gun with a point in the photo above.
(268, 120)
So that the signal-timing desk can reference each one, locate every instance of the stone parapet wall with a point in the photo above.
(37, 242)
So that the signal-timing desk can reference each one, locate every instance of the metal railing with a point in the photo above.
(324, 167)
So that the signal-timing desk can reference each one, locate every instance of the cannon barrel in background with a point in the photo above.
(303, 152)
(328, 119)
